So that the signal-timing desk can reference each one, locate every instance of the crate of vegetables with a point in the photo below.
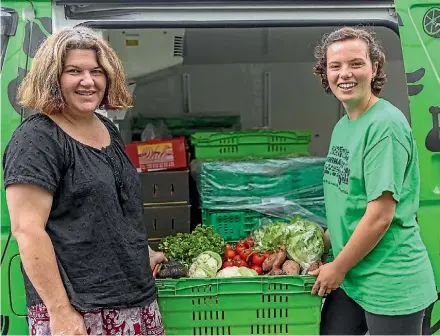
(255, 286)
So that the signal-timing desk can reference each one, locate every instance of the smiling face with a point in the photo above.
(350, 71)
(83, 82)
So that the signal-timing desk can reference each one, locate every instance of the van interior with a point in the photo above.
(263, 75)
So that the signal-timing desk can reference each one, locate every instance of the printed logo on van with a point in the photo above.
(431, 22)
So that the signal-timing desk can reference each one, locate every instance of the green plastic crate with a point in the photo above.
(250, 144)
(264, 305)
(234, 225)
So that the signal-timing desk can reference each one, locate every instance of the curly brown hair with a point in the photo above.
(40, 89)
(375, 52)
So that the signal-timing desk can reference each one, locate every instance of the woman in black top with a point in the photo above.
(74, 197)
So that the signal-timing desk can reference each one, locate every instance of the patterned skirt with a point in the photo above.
(130, 321)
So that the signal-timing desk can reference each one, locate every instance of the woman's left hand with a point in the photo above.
(329, 278)
(157, 258)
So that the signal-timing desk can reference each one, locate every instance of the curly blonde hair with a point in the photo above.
(375, 52)
(40, 89)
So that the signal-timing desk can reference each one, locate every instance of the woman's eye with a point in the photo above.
(357, 65)
(72, 71)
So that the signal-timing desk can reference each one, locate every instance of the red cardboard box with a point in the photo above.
(158, 154)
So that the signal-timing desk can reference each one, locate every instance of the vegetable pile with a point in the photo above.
(302, 238)
(276, 249)
(184, 247)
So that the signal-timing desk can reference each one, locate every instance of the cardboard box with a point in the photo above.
(158, 154)
(164, 187)
(162, 221)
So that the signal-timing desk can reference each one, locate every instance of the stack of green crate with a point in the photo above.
(250, 182)
(240, 191)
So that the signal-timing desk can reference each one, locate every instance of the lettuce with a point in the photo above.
(303, 238)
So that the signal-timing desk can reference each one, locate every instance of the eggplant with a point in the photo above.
(172, 269)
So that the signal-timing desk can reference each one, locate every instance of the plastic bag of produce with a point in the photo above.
(303, 239)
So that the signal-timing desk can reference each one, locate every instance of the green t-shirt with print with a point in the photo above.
(367, 156)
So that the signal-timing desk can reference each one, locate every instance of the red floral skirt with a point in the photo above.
(130, 321)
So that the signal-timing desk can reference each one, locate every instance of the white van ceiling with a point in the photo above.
(262, 45)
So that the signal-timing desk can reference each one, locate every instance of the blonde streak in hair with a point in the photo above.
(53, 66)
(117, 92)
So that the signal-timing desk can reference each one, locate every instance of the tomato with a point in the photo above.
(257, 269)
(246, 254)
(237, 258)
(267, 254)
(258, 259)
(228, 263)
(240, 263)
(240, 247)
(229, 254)
(229, 247)
(249, 242)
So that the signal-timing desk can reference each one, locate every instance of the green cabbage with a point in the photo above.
(305, 242)
(205, 265)
(234, 271)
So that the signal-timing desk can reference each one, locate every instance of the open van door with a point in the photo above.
(419, 27)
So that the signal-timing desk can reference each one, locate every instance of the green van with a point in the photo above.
(249, 58)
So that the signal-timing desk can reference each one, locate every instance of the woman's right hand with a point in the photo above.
(67, 321)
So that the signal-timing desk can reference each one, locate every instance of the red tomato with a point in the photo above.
(240, 263)
(249, 242)
(258, 259)
(246, 254)
(229, 254)
(267, 254)
(257, 269)
(229, 247)
(228, 263)
(240, 247)
(237, 258)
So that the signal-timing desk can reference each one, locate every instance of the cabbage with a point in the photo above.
(305, 242)
(234, 271)
(205, 265)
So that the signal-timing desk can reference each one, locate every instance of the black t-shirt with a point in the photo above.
(95, 223)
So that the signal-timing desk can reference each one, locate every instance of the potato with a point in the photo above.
(313, 267)
(268, 262)
(281, 256)
(276, 271)
(291, 267)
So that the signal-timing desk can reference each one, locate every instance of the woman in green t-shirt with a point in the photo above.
(381, 279)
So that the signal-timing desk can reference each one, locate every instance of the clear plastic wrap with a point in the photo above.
(156, 130)
(277, 188)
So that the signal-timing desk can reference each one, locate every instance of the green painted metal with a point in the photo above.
(13, 303)
(419, 25)
(419, 29)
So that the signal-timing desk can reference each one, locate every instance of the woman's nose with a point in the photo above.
(345, 72)
(87, 79)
